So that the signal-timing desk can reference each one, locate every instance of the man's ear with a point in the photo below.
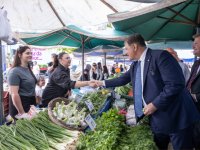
(135, 46)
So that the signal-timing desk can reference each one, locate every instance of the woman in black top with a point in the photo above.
(94, 72)
(85, 76)
(105, 73)
(60, 84)
(53, 64)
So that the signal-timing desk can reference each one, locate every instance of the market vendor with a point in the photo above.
(60, 84)
(159, 92)
(22, 83)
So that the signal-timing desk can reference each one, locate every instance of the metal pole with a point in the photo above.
(83, 45)
(124, 62)
(105, 58)
(1, 88)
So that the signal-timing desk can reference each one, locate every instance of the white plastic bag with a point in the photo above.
(130, 116)
(5, 29)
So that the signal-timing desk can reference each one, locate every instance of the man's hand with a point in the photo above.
(92, 84)
(149, 109)
(99, 83)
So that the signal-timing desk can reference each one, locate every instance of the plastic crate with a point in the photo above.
(6, 102)
(106, 106)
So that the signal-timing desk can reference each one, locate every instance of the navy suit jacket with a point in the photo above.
(164, 86)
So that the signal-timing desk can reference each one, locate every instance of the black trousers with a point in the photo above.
(182, 140)
(26, 103)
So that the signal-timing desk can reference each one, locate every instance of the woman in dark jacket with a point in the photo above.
(85, 76)
(60, 84)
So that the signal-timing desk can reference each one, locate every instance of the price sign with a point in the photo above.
(89, 105)
(90, 121)
(78, 97)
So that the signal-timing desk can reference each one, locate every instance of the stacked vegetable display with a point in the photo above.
(123, 90)
(112, 134)
(106, 134)
(39, 133)
(74, 113)
(69, 113)
(96, 98)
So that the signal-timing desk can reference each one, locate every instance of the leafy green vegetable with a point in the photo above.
(107, 132)
(112, 134)
(136, 138)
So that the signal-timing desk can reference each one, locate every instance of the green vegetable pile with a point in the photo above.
(107, 132)
(97, 98)
(123, 90)
(112, 134)
(136, 138)
(39, 133)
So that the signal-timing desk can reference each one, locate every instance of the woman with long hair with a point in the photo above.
(53, 64)
(105, 72)
(99, 71)
(21, 82)
(93, 74)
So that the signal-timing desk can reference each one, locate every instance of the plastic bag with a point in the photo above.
(31, 114)
(130, 116)
(119, 104)
(5, 29)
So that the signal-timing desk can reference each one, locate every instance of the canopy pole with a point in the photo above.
(1, 88)
(124, 62)
(56, 13)
(83, 45)
(105, 59)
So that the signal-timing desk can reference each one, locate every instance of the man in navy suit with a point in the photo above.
(164, 97)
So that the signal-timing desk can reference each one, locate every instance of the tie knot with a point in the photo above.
(138, 61)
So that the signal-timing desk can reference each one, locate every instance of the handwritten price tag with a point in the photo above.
(90, 121)
(89, 105)
(78, 98)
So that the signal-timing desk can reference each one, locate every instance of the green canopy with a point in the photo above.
(165, 20)
(77, 37)
(74, 36)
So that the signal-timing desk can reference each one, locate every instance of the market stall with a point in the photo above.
(89, 119)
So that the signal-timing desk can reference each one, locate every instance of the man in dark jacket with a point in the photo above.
(193, 86)
(159, 92)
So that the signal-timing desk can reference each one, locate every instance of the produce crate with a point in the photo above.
(6, 102)
(106, 106)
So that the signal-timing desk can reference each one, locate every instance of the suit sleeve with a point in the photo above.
(173, 79)
(122, 80)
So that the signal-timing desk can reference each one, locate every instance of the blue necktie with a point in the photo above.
(138, 91)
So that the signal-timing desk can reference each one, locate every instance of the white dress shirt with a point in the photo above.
(142, 59)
